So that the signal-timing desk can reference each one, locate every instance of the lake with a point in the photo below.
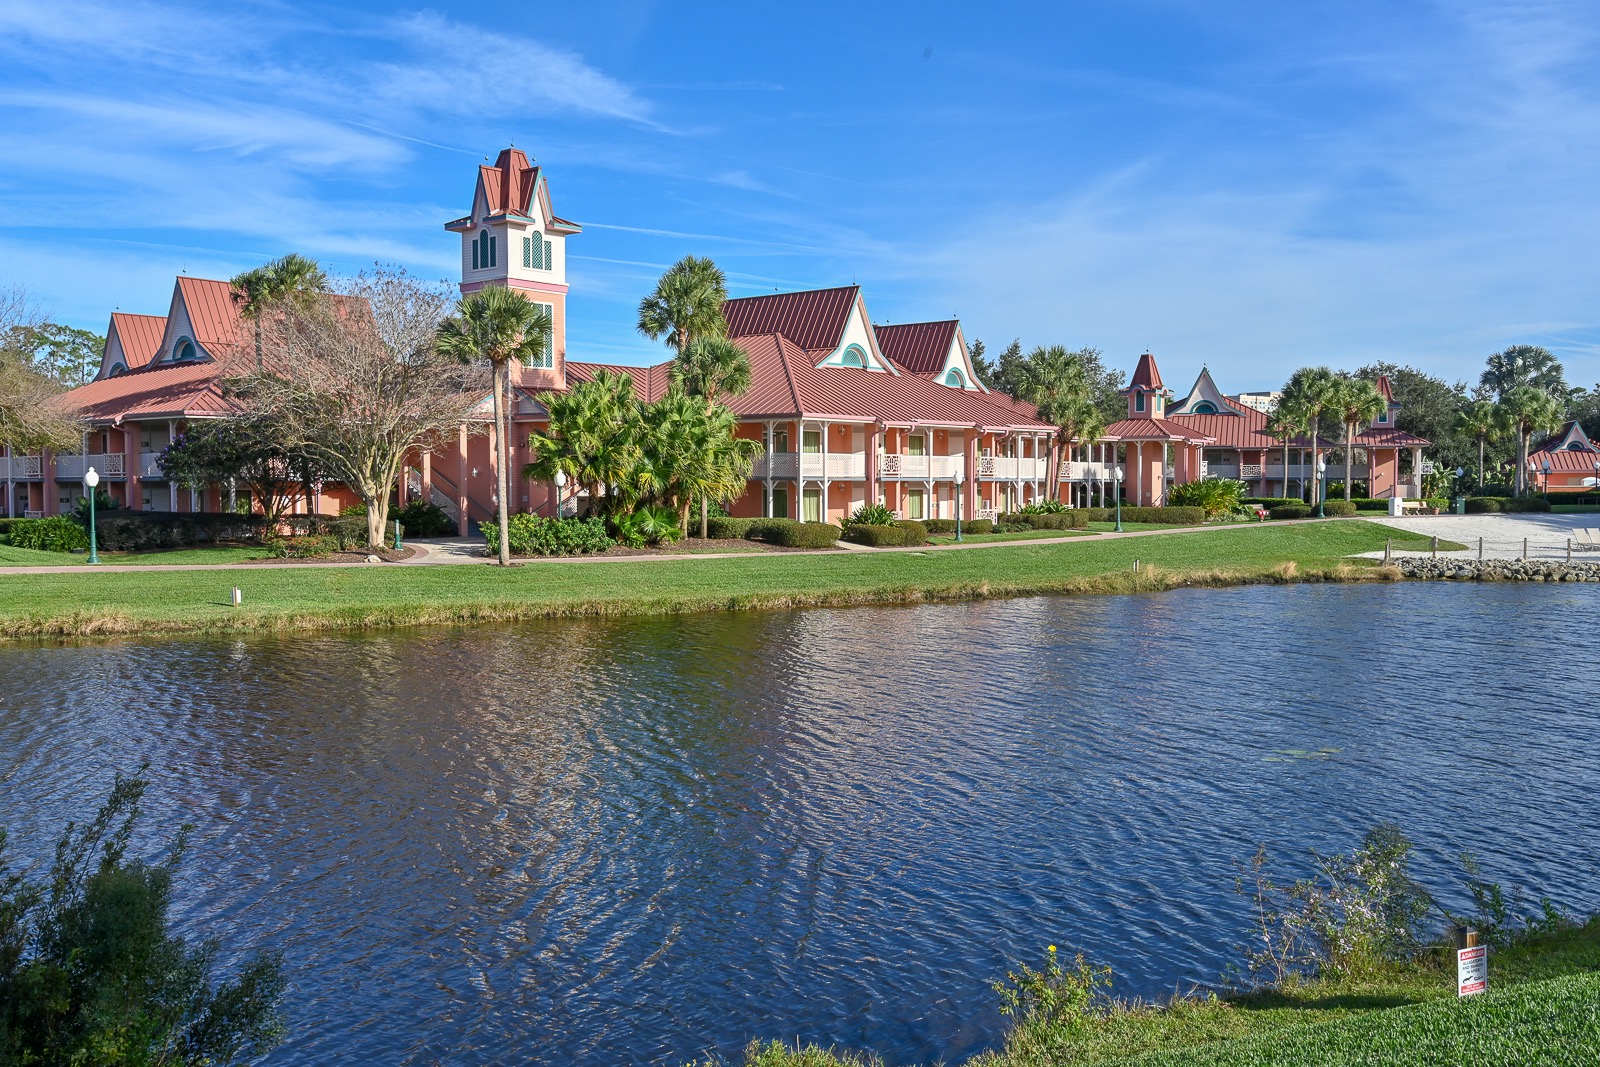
(642, 840)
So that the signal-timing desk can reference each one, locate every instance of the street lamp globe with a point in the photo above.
(561, 479)
(1119, 474)
(91, 477)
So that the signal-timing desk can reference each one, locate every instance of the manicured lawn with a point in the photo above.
(27, 557)
(1110, 527)
(1575, 509)
(1021, 535)
(105, 601)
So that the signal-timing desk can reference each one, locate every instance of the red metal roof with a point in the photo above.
(786, 385)
(1146, 375)
(814, 320)
(1245, 428)
(1156, 430)
(919, 347)
(213, 314)
(166, 391)
(1382, 385)
(139, 335)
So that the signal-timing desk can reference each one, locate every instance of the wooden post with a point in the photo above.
(1524, 548)
(1569, 550)
(1480, 550)
(1388, 547)
(1436, 547)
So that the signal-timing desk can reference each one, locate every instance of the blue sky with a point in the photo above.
(1255, 186)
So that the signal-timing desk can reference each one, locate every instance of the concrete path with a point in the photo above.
(1502, 535)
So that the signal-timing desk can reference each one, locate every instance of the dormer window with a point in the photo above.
(1205, 407)
(1138, 401)
(483, 251)
(118, 368)
(853, 357)
(955, 380)
(184, 352)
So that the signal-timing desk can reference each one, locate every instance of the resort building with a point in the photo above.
(1566, 460)
(848, 412)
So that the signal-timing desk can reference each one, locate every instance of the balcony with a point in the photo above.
(920, 468)
(814, 466)
(1086, 472)
(23, 468)
(1297, 471)
(1012, 469)
(107, 464)
(150, 466)
(784, 466)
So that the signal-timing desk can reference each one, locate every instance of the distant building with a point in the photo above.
(1264, 402)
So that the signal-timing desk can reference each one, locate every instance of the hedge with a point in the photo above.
(804, 534)
(421, 518)
(1290, 511)
(1516, 503)
(1485, 505)
(535, 535)
(724, 528)
(1270, 501)
(875, 536)
(55, 534)
(1076, 519)
(134, 531)
(916, 533)
(767, 529)
(1338, 509)
(1165, 516)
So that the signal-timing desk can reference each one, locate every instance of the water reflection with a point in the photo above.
(606, 841)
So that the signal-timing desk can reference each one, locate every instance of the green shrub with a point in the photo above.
(940, 526)
(1074, 519)
(1099, 514)
(420, 518)
(1338, 509)
(875, 536)
(54, 534)
(978, 526)
(1170, 516)
(723, 528)
(1270, 501)
(1493, 489)
(647, 526)
(1214, 496)
(916, 532)
(1516, 503)
(356, 510)
(1290, 511)
(1043, 507)
(1370, 503)
(805, 535)
(1439, 503)
(1485, 505)
(306, 546)
(871, 515)
(535, 535)
(768, 529)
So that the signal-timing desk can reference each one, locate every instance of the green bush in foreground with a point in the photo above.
(91, 974)
(1516, 503)
(421, 518)
(805, 535)
(1290, 511)
(55, 534)
(1338, 509)
(1485, 505)
(874, 536)
(871, 515)
(723, 528)
(535, 535)
(916, 532)
(1043, 507)
(768, 529)
(1214, 496)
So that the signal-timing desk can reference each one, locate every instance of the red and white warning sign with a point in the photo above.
(1472, 970)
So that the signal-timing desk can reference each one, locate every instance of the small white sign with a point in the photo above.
(1472, 970)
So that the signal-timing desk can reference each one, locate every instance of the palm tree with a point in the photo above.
(1286, 423)
(592, 436)
(1355, 402)
(1526, 410)
(1524, 365)
(709, 367)
(1481, 421)
(1308, 394)
(686, 303)
(1056, 382)
(290, 277)
(690, 451)
(498, 325)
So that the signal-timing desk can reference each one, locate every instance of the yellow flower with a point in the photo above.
(1052, 948)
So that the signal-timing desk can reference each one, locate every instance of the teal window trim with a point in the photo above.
(853, 356)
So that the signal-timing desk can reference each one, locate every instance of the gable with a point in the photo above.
(1204, 399)
(857, 346)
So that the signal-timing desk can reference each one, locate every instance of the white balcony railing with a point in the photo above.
(22, 467)
(784, 465)
(1250, 471)
(1012, 469)
(847, 466)
(920, 468)
(149, 466)
(32, 514)
(1086, 472)
(106, 464)
(1297, 471)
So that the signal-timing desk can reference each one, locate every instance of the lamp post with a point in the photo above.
(1116, 494)
(961, 480)
(1322, 492)
(91, 478)
(1597, 473)
(1547, 476)
(561, 483)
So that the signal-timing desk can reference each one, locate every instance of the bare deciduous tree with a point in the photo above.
(355, 380)
(31, 413)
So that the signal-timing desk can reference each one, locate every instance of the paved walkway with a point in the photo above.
(1503, 536)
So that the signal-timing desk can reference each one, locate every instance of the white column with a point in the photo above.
(768, 510)
(822, 509)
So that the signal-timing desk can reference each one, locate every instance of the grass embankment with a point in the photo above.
(1543, 1007)
(27, 557)
(104, 601)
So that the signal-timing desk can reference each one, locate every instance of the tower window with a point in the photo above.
(536, 252)
(1138, 401)
(483, 251)
(549, 359)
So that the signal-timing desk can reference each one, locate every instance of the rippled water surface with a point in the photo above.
(635, 841)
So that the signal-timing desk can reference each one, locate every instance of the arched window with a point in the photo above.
(853, 357)
(1205, 407)
(184, 351)
(1578, 446)
(954, 379)
(118, 368)
(535, 252)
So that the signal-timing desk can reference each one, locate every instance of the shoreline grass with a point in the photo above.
(104, 602)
